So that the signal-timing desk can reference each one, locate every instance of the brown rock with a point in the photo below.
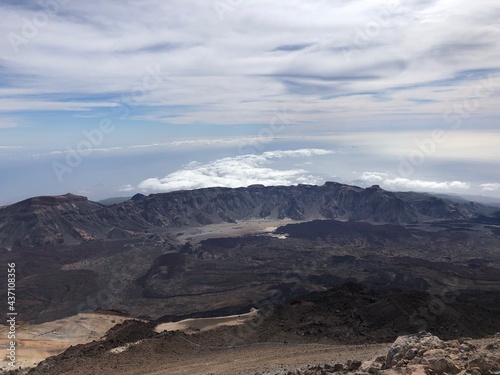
(442, 365)
(482, 363)
(434, 353)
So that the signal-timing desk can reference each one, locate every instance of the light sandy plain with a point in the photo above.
(36, 342)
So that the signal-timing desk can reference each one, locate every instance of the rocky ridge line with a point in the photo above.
(70, 219)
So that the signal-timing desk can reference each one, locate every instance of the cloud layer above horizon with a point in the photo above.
(239, 171)
(179, 81)
(227, 62)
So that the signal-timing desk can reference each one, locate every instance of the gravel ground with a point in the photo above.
(265, 358)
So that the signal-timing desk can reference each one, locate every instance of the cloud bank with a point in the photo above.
(490, 187)
(371, 77)
(399, 183)
(239, 171)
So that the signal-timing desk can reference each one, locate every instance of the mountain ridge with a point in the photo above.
(72, 219)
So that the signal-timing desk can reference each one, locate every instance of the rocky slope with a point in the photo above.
(133, 347)
(356, 314)
(56, 219)
(72, 219)
(422, 354)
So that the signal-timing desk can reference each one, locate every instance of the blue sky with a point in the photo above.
(201, 93)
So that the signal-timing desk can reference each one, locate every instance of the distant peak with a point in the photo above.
(332, 183)
(69, 197)
(138, 196)
(54, 199)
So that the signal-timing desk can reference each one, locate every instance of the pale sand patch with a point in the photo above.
(270, 232)
(241, 228)
(269, 229)
(121, 349)
(191, 326)
(36, 342)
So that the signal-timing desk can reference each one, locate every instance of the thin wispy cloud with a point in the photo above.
(320, 56)
(6, 124)
(181, 144)
(370, 78)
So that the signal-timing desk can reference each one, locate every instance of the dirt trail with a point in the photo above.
(275, 358)
(267, 359)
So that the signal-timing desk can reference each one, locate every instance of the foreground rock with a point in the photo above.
(423, 354)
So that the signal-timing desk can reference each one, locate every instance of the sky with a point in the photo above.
(112, 98)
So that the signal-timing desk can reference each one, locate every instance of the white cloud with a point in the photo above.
(404, 183)
(218, 142)
(490, 187)
(424, 61)
(224, 141)
(126, 188)
(399, 183)
(236, 171)
(10, 147)
(238, 70)
(6, 124)
(373, 176)
(14, 105)
(303, 153)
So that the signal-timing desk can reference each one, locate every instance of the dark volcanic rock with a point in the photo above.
(356, 314)
(73, 219)
(50, 220)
